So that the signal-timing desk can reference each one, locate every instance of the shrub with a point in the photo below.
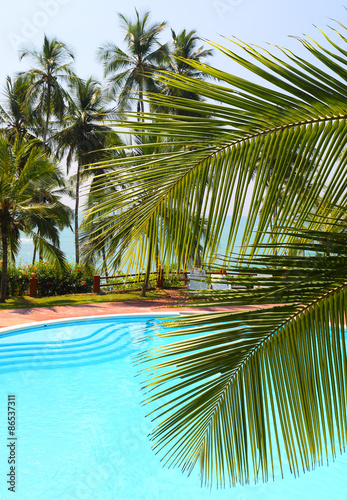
(18, 281)
(76, 278)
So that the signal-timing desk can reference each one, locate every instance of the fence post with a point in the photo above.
(160, 278)
(96, 284)
(33, 285)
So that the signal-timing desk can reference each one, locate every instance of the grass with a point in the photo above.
(83, 298)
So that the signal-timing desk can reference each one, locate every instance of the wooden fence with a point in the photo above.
(98, 280)
(101, 281)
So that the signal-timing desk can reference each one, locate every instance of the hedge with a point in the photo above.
(76, 278)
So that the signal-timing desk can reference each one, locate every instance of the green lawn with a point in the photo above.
(83, 298)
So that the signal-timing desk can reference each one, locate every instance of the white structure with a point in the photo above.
(197, 280)
(219, 282)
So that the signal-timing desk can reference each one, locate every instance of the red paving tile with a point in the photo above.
(13, 317)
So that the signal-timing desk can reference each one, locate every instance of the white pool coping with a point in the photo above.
(76, 319)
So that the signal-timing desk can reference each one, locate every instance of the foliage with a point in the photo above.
(173, 281)
(25, 169)
(18, 116)
(233, 389)
(18, 281)
(52, 68)
(73, 279)
(134, 68)
(135, 282)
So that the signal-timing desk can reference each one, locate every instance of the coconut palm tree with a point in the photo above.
(51, 70)
(133, 70)
(83, 135)
(26, 169)
(232, 389)
(185, 48)
(18, 116)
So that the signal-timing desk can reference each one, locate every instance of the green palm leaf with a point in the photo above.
(242, 146)
(240, 391)
(238, 388)
(28, 202)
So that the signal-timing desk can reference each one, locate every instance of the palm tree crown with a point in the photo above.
(51, 68)
(185, 48)
(84, 133)
(18, 114)
(134, 69)
(25, 172)
(185, 51)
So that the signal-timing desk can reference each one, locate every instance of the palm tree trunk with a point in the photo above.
(34, 254)
(148, 270)
(140, 106)
(3, 285)
(157, 255)
(45, 132)
(77, 248)
(104, 261)
(44, 138)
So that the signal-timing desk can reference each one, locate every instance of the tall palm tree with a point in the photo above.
(133, 70)
(185, 48)
(51, 70)
(243, 386)
(24, 169)
(83, 135)
(18, 116)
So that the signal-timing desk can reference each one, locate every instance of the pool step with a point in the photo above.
(109, 341)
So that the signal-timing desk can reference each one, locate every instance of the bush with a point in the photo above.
(173, 281)
(18, 281)
(76, 278)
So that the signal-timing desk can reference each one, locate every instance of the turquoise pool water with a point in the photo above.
(81, 430)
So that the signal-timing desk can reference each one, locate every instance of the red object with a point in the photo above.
(160, 278)
(96, 284)
(33, 285)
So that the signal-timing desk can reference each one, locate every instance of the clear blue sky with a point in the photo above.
(85, 24)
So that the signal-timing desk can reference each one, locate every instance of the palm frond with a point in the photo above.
(242, 141)
(237, 388)
(239, 391)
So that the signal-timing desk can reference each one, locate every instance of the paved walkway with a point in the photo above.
(168, 304)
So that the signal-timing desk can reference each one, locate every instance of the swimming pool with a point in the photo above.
(81, 430)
